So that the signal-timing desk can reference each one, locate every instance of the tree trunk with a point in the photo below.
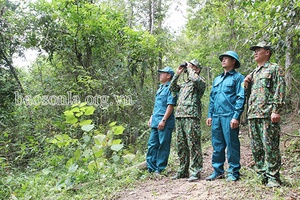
(288, 61)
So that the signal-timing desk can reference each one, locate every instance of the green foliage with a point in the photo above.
(111, 50)
(93, 148)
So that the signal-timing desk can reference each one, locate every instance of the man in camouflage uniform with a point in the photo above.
(188, 115)
(226, 105)
(265, 104)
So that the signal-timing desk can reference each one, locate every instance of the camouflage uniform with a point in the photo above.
(188, 115)
(267, 97)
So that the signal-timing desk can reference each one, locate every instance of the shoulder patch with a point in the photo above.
(242, 84)
(281, 72)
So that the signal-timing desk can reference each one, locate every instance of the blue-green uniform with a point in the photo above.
(267, 97)
(188, 115)
(227, 100)
(160, 140)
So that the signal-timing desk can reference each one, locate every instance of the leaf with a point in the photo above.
(86, 138)
(87, 128)
(92, 165)
(99, 153)
(118, 141)
(99, 139)
(87, 153)
(76, 109)
(59, 137)
(70, 162)
(71, 119)
(73, 168)
(47, 171)
(82, 104)
(77, 154)
(79, 114)
(85, 122)
(112, 124)
(115, 158)
(129, 157)
(89, 110)
(118, 130)
(116, 147)
(68, 112)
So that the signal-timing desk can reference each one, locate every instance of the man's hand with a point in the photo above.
(234, 123)
(275, 118)
(150, 121)
(208, 121)
(247, 80)
(180, 70)
(161, 125)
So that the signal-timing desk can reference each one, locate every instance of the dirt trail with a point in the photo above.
(248, 187)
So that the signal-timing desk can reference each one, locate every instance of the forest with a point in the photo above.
(75, 118)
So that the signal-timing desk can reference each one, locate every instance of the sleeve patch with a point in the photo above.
(281, 72)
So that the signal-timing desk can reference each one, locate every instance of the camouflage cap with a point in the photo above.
(262, 44)
(195, 63)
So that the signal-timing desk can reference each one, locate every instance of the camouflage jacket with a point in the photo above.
(189, 94)
(267, 91)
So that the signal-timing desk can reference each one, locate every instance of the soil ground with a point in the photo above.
(248, 187)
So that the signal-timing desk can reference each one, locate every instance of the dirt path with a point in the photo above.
(248, 187)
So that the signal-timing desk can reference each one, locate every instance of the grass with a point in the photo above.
(56, 182)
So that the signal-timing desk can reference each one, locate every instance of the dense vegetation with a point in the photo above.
(77, 116)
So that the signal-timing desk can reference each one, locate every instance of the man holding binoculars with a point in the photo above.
(188, 115)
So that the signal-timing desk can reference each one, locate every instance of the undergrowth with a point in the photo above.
(48, 178)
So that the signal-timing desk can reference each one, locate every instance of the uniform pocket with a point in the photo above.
(229, 88)
(266, 81)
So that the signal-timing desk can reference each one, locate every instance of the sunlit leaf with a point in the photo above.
(112, 124)
(118, 130)
(82, 104)
(77, 154)
(71, 119)
(129, 157)
(73, 168)
(92, 165)
(86, 138)
(68, 112)
(99, 139)
(85, 122)
(87, 153)
(87, 128)
(118, 141)
(117, 147)
(89, 110)
(76, 109)
(115, 158)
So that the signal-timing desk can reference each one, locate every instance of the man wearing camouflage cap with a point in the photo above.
(188, 115)
(267, 87)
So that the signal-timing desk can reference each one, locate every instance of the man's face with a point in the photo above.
(196, 69)
(164, 77)
(228, 62)
(261, 54)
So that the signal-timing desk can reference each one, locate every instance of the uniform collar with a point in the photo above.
(267, 64)
(166, 85)
(231, 72)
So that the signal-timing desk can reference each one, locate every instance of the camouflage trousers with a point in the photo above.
(265, 137)
(188, 144)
